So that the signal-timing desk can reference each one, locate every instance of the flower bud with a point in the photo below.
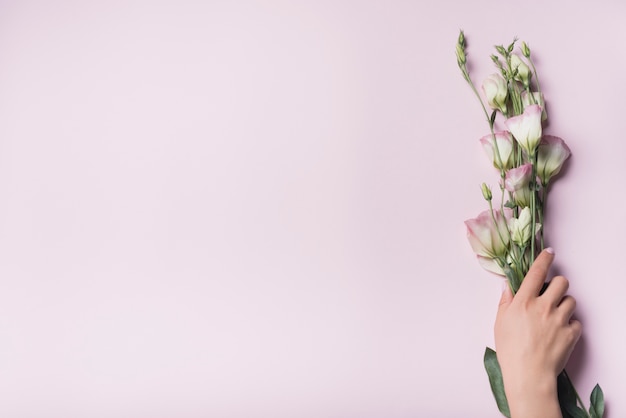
(535, 98)
(517, 181)
(486, 192)
(511, 46)
(525, 50)
(518, 178)
(496, 92)
(460, 54)
(521, 72)
(520, 227)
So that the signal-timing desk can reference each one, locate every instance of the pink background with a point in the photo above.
(255, 208)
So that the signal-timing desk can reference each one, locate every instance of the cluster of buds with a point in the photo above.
(507, 238)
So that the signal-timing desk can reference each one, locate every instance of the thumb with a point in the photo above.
(507, 295)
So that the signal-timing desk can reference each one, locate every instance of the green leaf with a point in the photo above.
(567, 398)
(493, 117)
(576, 412)
(597, 402)
(509, 204)
(495, 380)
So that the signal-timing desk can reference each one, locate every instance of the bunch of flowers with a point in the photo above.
(509, 235)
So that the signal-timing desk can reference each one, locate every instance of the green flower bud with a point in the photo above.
(461, 38)
(501, 50)
(525, 50)
(510, 48)
(498, 64)
(460, 54)
(486, 192)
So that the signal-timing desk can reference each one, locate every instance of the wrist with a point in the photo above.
(533, 397)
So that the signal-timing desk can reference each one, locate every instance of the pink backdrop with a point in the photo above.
(255, 208)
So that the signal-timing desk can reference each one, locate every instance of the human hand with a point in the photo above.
(534, 337)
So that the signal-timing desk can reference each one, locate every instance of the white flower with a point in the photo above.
(503, 142)
(520, 227)
(535, 98)
(523, 72)
(526, 128)
(488, 234)
(551, 154)
(496, 92)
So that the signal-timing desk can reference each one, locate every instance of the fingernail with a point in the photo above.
(550, 250)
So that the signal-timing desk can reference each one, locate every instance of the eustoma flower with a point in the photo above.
(551, 155)
(520, 227)
(526, 128)
(496, 92)
(504, 144)
(535, 98)
(489, 237)
(522, 72)
(491, 265)
(517, 181)
(488, 233)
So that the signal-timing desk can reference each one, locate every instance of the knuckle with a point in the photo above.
(562, 281)
(573, 301)
(576, 329)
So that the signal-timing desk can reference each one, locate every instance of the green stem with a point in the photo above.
(503, 176)
(533, 206)
(544, 195)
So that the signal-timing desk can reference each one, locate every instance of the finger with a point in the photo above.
(573, 334)
(556, 290)
(567, 307)
(576, 330)
(536, 276)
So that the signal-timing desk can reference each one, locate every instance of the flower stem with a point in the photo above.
(533, 206)
(544, 195)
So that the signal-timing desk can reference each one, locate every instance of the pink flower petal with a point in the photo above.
(487, 238)
(518, 178)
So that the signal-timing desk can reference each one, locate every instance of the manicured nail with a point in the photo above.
(550, 250)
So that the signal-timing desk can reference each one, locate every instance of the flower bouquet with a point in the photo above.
(509, 235)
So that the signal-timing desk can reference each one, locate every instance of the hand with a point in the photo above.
(534, 337)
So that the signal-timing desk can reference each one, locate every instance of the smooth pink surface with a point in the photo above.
(255, 208)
